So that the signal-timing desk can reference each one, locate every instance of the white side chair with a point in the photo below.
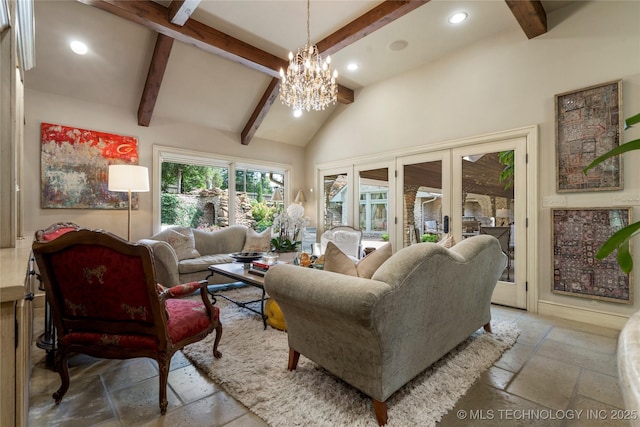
(346, 238)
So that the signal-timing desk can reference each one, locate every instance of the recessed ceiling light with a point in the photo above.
(297, 113)
(352, 66)
(458, 17)
(398, 45)
(78, 47)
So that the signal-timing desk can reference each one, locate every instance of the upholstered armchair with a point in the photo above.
(345, 237)
(106, 303)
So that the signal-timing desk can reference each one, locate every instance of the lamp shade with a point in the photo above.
(128, 178)
(300, 197)
(277, 195)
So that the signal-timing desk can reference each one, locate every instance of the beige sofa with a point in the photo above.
(212, 248)
(377, 334)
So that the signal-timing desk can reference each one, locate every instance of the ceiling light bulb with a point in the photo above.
(78, 47)
(458, 17)
(352, 67)
(297, 113)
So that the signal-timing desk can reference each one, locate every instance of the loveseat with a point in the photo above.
(377, 334)
(182, 254)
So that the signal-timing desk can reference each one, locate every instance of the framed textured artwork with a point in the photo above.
(577, 236)
(74, 167)
(588, 124)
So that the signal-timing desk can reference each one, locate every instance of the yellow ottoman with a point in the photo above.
(275, 318)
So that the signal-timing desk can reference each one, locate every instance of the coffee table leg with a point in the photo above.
(264, 318)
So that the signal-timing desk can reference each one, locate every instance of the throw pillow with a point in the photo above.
(257, 242)
(447, 242)
(369, 264)
(182, 241)
(337, 261)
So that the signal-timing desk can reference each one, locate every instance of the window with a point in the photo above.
(208, 191)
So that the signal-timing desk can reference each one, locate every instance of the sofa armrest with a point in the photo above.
(165, 262)
(338, 295)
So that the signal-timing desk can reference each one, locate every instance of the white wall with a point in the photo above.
(44, 107)
(502, 83)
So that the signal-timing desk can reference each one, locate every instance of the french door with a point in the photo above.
(465, 191)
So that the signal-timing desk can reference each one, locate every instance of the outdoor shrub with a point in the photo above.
(429, 238)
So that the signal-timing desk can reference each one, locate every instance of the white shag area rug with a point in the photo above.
(253, 369)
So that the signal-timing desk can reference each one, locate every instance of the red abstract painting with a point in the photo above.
(75, 167)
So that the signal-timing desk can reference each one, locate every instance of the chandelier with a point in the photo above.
(308, 83)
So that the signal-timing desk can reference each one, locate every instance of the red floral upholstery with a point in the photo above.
(106, 302)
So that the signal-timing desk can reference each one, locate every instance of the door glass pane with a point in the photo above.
(336, 200)
(373, 209)
(422, 202)
(488, 201)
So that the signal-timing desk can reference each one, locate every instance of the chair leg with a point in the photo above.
(62, 367)
(487, 327)
(163, 374)
(380, 409)
(294, 356)
(216, 353)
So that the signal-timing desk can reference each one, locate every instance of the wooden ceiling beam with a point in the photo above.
(260, 112)
(179, 12)
(531, 16)
(376, 18)
(156, 17)
(373, 20)
(155, 75)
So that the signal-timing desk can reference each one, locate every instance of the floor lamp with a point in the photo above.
(128, 178)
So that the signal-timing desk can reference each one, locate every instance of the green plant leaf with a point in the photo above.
(617, 239)
(624, 257)
(633, 120)
(629, 146)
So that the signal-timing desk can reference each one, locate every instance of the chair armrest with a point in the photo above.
(165, 262)
(179, 291)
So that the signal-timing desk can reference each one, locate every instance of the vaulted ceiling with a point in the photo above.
(216, 63)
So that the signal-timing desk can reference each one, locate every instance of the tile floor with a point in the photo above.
(559, 373)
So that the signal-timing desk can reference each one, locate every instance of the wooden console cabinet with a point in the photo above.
(16, 314)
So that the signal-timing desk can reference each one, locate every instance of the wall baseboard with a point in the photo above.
(585, 315)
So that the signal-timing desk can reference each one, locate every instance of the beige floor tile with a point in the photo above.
(588, 358)
(215, 410)
(247, 420)
(600, 387)
(597, 343)
(590, 413)
(487, 407)
(85, 404)
(546, 381)
(140, 402)
(128, 372)
(190, 385)
(515, 358)
(496, 377)
(532, 332)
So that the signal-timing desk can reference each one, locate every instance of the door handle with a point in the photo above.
(445, 225)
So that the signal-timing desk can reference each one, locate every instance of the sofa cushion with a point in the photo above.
(200, 264)
(447, 241)
(338, 262)
(182, 241)
(257, 242)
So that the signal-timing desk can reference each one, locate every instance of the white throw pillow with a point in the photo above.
(257, 242)
(182, 241)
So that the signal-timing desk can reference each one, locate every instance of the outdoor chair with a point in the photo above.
(106, 303)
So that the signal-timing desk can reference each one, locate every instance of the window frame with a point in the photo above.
(199, 158)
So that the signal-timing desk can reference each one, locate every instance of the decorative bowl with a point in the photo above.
(246, 256)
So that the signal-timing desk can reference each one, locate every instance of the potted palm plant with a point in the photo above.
(620, 239)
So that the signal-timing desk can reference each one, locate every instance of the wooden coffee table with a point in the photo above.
(238, 271)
